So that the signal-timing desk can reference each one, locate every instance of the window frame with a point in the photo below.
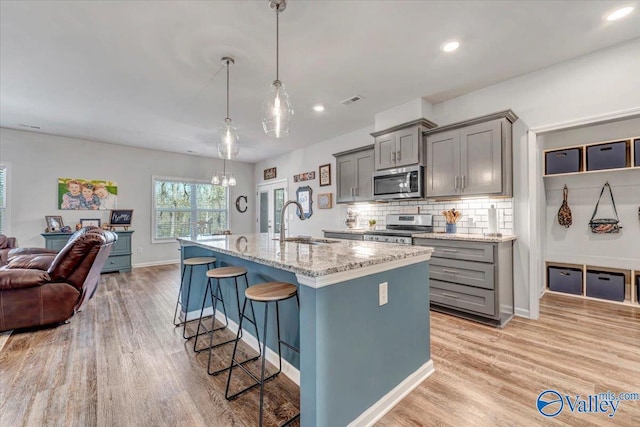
(191, 181)
(5, 225)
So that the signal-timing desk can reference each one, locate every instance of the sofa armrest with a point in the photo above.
(34, 262)
(22, 278)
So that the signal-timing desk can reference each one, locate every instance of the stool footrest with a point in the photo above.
(256, 379)
(219, 371)
(207, 331)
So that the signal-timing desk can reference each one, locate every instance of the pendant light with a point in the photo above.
(221, 178)
(276, 110)
(228, 147)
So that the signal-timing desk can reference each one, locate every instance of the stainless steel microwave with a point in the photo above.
(401, 183)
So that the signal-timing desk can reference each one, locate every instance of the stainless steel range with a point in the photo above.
(401, 228)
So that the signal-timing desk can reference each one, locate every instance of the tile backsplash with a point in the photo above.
(474, 213)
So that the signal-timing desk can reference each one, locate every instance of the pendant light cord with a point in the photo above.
(227, 88)
(277, 41)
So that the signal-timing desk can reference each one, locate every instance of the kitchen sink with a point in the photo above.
(309, 240)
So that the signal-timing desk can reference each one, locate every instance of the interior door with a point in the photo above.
(271, 197)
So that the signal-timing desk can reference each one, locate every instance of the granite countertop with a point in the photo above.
(310, 260)
(348, 231)
(466, 237)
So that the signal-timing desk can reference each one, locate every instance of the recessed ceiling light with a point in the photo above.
(450, 46)
(318, 107)
(620, 13)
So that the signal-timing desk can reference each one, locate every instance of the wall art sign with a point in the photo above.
(270, 173)
(306, 176)
(324, 172)
(87, 194)
(120, 218)
(303, 196)
(325, 201)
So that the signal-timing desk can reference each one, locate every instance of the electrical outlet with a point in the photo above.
(139, 249)
(383, 293)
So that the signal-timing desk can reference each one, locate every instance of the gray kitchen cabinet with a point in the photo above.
(473, 280)
(354, 175)
(401, 145)
(471, 158)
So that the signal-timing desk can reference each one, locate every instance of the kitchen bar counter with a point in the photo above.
(315, 260)
(348, 231)
(358, 357)
(466, 237)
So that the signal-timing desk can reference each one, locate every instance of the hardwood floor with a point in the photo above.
(122, 363)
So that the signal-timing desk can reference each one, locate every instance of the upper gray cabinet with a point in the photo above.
(354, 175)
(471, 158)
(401, 145)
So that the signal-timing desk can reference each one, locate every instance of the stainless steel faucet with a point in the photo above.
(282, 213)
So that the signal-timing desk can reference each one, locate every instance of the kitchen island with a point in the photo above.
(357, 358)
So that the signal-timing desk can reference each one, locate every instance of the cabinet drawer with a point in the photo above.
(463, 297)
(346, 236)
(122, 245)
(470, 251)
(117, 263)
(463, 272)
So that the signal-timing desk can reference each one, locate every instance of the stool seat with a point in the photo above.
(199, 260)
(226, 272)
(271, 291)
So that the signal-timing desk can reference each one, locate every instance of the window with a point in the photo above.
(4, 220)
(188, 209)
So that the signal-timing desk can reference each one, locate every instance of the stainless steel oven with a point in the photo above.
(401, 183)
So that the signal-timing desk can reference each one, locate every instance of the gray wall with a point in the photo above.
(38, 160)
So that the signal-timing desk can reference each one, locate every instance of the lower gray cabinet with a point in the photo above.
(471, 279)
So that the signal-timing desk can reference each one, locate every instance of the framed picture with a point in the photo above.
(87, 194)
(120, 218)
(89, 222)
(325, 175)
(324, 201)
(303, 196)
(306, 176)
(54, 223)
(270, 173)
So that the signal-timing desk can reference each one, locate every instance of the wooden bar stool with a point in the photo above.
(209, 262)
(266, 293)
(218, 274)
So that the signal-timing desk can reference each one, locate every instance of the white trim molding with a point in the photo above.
(343, 276)
(155, 263)
(391, 399)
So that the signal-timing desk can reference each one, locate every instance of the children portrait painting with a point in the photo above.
(87, 194)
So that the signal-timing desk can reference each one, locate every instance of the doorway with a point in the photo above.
(271, 198)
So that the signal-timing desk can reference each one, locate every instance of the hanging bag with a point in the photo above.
(564, 214)
(605, 225)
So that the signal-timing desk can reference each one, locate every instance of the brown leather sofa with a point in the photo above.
(38, 287)
(6, 245)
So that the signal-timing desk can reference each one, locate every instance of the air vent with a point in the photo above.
(354, 98)
(28, 126)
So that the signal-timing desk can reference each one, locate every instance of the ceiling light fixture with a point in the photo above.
(450, 46)
(221, 178)
(228, 147)
(318, 107)
(276, 110)
(620, 13)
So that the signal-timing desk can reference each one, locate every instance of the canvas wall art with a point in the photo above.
(87, 194)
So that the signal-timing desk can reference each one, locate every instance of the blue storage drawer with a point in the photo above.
(636, 144)
(563, 161)
(567, 280)
(607, 156)
(605, 285)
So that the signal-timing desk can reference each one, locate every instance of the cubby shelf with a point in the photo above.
(631, 154)
(631, 291)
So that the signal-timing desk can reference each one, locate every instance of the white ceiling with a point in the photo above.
(147, 74)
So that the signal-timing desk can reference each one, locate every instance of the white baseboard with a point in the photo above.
(523, 312)
(391, 399)
(287, 368)
(155, 263)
